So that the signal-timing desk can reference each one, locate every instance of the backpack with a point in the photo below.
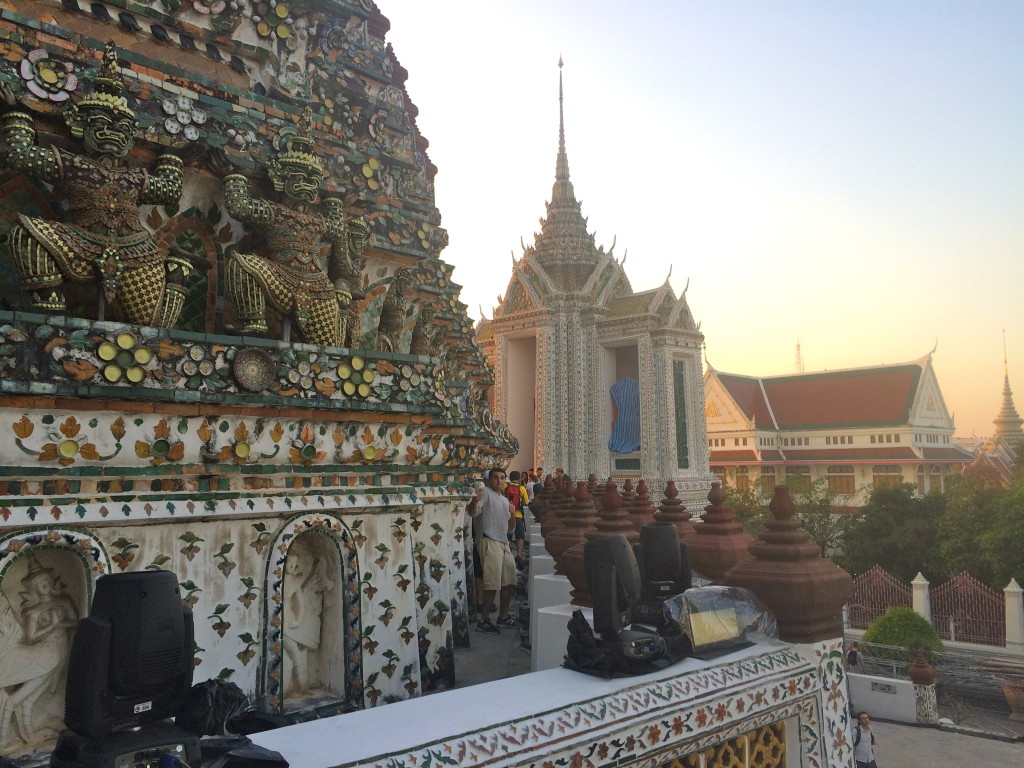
(514, 494)
(851, 658)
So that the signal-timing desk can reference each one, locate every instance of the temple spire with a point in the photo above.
(562, 191)
(1008, 422)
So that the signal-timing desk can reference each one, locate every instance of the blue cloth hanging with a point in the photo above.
(625, 437)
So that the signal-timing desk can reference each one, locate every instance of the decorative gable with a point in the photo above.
(720, 409)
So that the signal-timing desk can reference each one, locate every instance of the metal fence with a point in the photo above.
(960, 673)
(874, 591)
(965, 610)
(962, 609)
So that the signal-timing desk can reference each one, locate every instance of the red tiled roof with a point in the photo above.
(853, 454)
(733, 456)
(771, 455)
(877, 396)
(947, 454)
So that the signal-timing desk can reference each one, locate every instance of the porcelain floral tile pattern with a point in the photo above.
(645, 725)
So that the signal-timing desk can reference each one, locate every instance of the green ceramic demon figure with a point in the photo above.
(289, 272)
(102, 237)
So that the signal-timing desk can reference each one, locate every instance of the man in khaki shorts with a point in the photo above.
(494, 520)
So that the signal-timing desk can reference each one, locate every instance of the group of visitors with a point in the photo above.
(499, 524)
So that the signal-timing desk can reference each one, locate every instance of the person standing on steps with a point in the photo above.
(493, 514)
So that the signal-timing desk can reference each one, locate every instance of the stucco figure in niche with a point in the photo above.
(289, 273)
(102, 239)
(312, 621)
(37, 622)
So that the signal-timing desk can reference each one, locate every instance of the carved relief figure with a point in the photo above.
(306, 584)
(102, 239)
(35, 641)
(289, 272)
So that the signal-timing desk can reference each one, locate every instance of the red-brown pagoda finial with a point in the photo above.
(805, 591)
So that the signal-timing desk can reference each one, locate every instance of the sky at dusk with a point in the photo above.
(849, 175)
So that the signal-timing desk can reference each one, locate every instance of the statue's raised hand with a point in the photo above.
(220, 163)
(8, 101)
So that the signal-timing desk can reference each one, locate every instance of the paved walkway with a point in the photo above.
(908, 746)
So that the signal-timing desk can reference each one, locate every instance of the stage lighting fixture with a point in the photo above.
(614, 580)
(129, 672)
(664, 571)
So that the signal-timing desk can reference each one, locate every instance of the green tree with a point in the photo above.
(895, 530)
(971, 501)
(1001, 540)
(750, 507)
(821, 511)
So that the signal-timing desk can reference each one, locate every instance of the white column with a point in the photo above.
(1014, 597)
(502, 379)
(922, 599)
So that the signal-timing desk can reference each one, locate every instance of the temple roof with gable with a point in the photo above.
(883, 395)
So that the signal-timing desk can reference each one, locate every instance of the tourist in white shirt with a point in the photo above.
(493, 515)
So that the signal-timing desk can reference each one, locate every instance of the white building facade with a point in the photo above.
(857, 427)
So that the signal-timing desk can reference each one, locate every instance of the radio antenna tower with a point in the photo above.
(799, 358)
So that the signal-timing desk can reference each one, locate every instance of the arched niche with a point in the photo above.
(45, 588)
(312, 637)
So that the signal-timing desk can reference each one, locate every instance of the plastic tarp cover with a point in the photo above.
(720, 617)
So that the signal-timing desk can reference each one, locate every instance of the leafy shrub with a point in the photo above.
(906, 629)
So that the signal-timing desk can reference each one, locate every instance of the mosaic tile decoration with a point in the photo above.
(645, 725)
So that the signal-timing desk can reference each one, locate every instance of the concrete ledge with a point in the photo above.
(559, 716)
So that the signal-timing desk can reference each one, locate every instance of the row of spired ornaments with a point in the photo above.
(571, 514)
(717, 546)
(67, 440)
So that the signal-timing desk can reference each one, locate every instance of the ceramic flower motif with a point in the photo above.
(46, 78)
(239, 449)
(162, 448)
(72, 446)
(304, 449)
